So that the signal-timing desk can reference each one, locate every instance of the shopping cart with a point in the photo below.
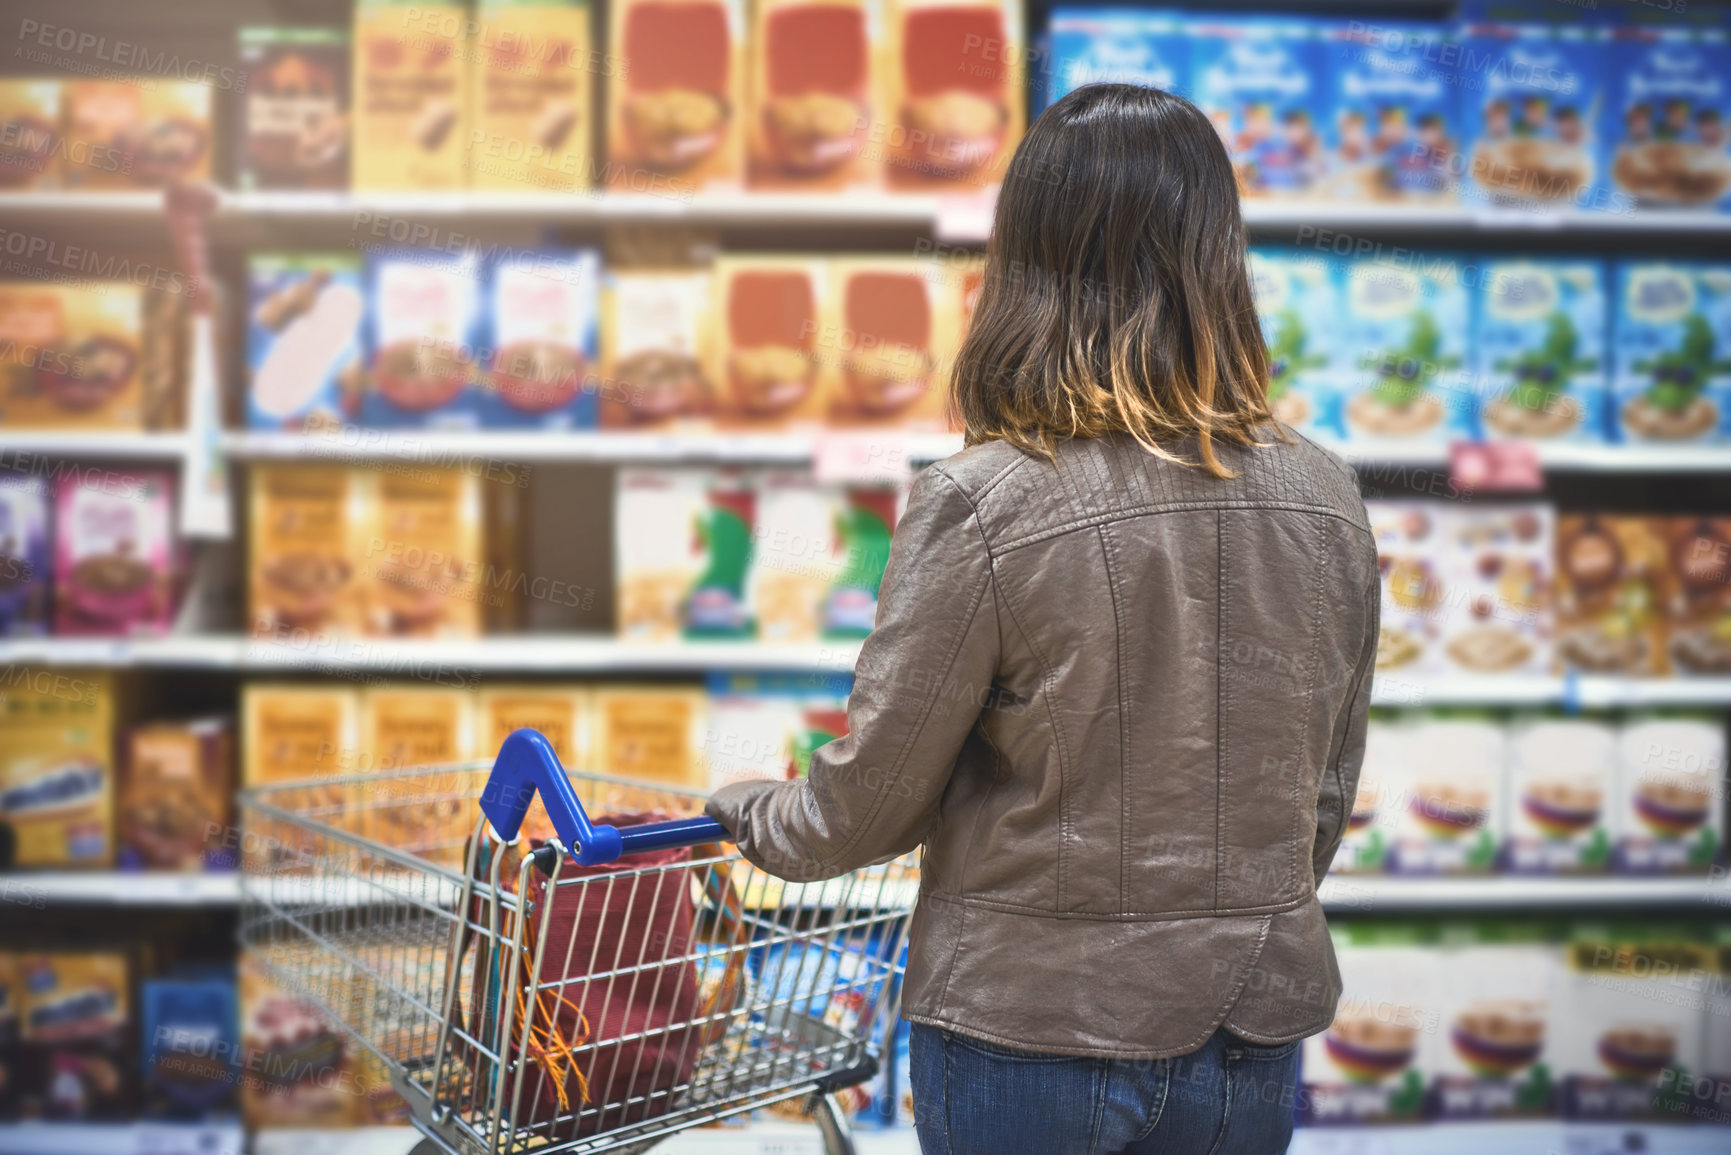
(522, 994)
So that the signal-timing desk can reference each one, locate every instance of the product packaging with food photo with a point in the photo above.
(1541, 358)
(304, 328)
(674, 113)
(539, 356)
(953, 92)
(423, 329)
(1671, 351)
(815, 92)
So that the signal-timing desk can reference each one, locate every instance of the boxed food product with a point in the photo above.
(1716, 1048)
(1670, 794)
(814, 93)
(540, 313)
(1612, 587)
(953, 92)
(30, 142)
(144, 133)
(893, 326)
(1671, 349)
(23, 555)
(57, 768)
(820, 556)
(653, 337)
(1409, 538)
(683, 546)
(114, 553)
(650, 733)
(1494, 1058)
(292, 733)
(1116, 46)
(1666, 116)
(1298, 304)
(176, 793)
(1628, 1028)
(674, 120)
(1393, 135)
(767, 366)
(1408, 322)
(300, 1069)
(303, 547)
(190, 1032)
(423, 318)
(77, 1011)
(295, 133)
(1496, 568)
(1542, 356)
(1373, 1063)
(1561, 781)
(1261, 81)
(405, 728)
(1448, 813)
(303, 340)
(70, 355)
(767, 725)
(1364, 845)
(11, 1061)
(1531, 123)
(533, 120)
(420, 568)
(1699, 613)
(411, 95)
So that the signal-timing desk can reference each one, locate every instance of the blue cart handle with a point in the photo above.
(526, 763)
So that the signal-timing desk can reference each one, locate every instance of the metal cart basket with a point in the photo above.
(524, 994)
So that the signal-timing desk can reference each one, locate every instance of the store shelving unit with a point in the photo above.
(126, 1139)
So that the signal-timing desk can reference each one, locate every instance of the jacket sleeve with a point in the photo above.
(920, 682)
(1334, 801)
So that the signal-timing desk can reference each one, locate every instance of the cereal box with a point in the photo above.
(1666, 115)
(650, 733)
(892, 326)
(1670, 794)
(304, 547)
(1116, 46)
(1716, 1048)
(76, 1016)
(295, 130)
(300, 1068)
(1261, 82)
(1671, 350)
(1393, 136)
(23, 555)
(767, 365)
(674, 120)
(654, 329)
(1612, 587)
(145, 133)
(304, 364)
(1298, 303)
(1409, 537)
(176, 795)
(190, 1030)
(411, 95)
(540, 316)
(1561, 781)
(56, 768)
(533, 118)
(114, 553)
(1373, 1063)
(820, 556)
(1494, 1056)
(29, 133)
(767, 725)
(1364, 845)
(1541, 358)
(1496, 570)
(70, 356)
(421, 564)
(814, 93)
(413, 727)
(294, 733)
(954, 92)
(1447, 811)
(684, 542)
(1699, 616)
(424, 313)
(1408, 324)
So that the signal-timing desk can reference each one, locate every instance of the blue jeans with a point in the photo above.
(1231, 1097)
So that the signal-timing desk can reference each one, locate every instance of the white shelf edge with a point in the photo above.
(119, 888)
(1367, 893)
(447, 446)
(72, 443)
(139, 1138)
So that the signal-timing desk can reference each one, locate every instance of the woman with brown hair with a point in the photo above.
(1119, 680)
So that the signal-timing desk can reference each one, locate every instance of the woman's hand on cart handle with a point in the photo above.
(527, 763)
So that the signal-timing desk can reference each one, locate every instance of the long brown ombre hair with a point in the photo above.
(1116, 294)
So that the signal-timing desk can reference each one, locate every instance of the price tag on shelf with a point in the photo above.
(1495, 467)
(965, 218)
(861, 458)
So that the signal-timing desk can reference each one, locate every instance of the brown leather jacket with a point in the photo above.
(1122, 704)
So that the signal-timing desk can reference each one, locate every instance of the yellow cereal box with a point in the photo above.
(954, 92)
(406, 728)
(145, 133)
(411, 95)
(302, 544)
(301, 1068)
(71, 998)
(57, 766)
(653, 733)
(533, 122)
(70, 356)
(674, 111)
(291, 733)
(766, 361)
(653, 324)
(887, 340)
(29, 133)
(813, 94)
(422, 556)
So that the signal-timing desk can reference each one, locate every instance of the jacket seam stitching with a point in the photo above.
(997, 478)
(1309, 696)
(1158, 510)
(1124, 815)
(1222, 697)
(1128, 916)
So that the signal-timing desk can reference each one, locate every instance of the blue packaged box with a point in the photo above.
(1260, 81)
(1542, 360)
(191, 1040)
(423, 327)
(1118, 46)
(540, 316)
(1406, 324)
(1298, 304)
(1393, 129)
(1530, 114)
(24, 569)
(303, 340)
(1666, 119)
(1671, 352)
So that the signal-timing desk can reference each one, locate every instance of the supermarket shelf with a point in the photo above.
(465, 447)
(765, 1138)
(118, 888)
(101, 446)
(1364, 894)
(1347, 218)
(1395, 689)
(123, 1139)
(1561, 458)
